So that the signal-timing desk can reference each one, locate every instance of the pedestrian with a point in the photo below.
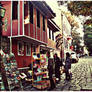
(67, 66)
(50, 71)
(57, 66)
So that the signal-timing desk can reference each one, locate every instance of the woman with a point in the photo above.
(67, 66)
(57, 66)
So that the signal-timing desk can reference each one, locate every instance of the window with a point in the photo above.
(38, 19)
(31, 12)
(43, 23)
(33, 48)
(53, 36)
(20, 48)
(15, 10)
(25, 9)
(26, 12)
(49, 34)
(28, 50)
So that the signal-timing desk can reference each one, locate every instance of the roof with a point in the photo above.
(44, 8)
(53, 26)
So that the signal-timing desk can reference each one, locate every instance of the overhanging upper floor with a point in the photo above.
(27, 19)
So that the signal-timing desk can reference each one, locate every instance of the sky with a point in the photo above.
(54, 6)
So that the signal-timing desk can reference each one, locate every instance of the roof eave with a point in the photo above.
(44, 8)
(54, 26)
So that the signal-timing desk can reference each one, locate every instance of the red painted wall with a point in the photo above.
(22, 61)
(31, 30)
(38, 34)
(7, 6)
(21, 17)
(46, 32)
(26, 28)
(41, 28)
(14, 27)
(35, 21)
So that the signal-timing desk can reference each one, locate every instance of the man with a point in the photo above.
(50, 71)
(67, 66)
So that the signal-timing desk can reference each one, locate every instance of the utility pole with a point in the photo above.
(62, 43)
(62, 46)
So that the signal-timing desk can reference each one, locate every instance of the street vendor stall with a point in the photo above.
(9, 73)
(40, 72)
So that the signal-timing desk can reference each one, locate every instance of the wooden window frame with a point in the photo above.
(22, 51)
(29, 49)
(38, 18)
(49, 33)
(14, 10)
(31, 13)
(44, 25)
(52, 35)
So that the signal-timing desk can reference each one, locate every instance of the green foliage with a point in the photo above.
(76, 40)
(88, 37)
(80, 8)
(88, 22)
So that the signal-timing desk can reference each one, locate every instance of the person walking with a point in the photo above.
(50, 71)
(67, 66)
(57, 66)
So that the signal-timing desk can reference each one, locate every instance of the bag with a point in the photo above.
(62, 70)
(70, 73)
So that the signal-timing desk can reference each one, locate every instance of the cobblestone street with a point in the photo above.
(81, 77)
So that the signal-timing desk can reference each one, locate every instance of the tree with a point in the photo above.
(80, 8)
(76, 41)
(84, 8)
(88, 37)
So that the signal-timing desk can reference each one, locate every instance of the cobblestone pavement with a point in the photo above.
(81, 77)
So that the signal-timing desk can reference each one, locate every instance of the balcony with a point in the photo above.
(32, 31)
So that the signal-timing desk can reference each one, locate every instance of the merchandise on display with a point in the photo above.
(1, 84)
(10, 72)
(40, 72)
